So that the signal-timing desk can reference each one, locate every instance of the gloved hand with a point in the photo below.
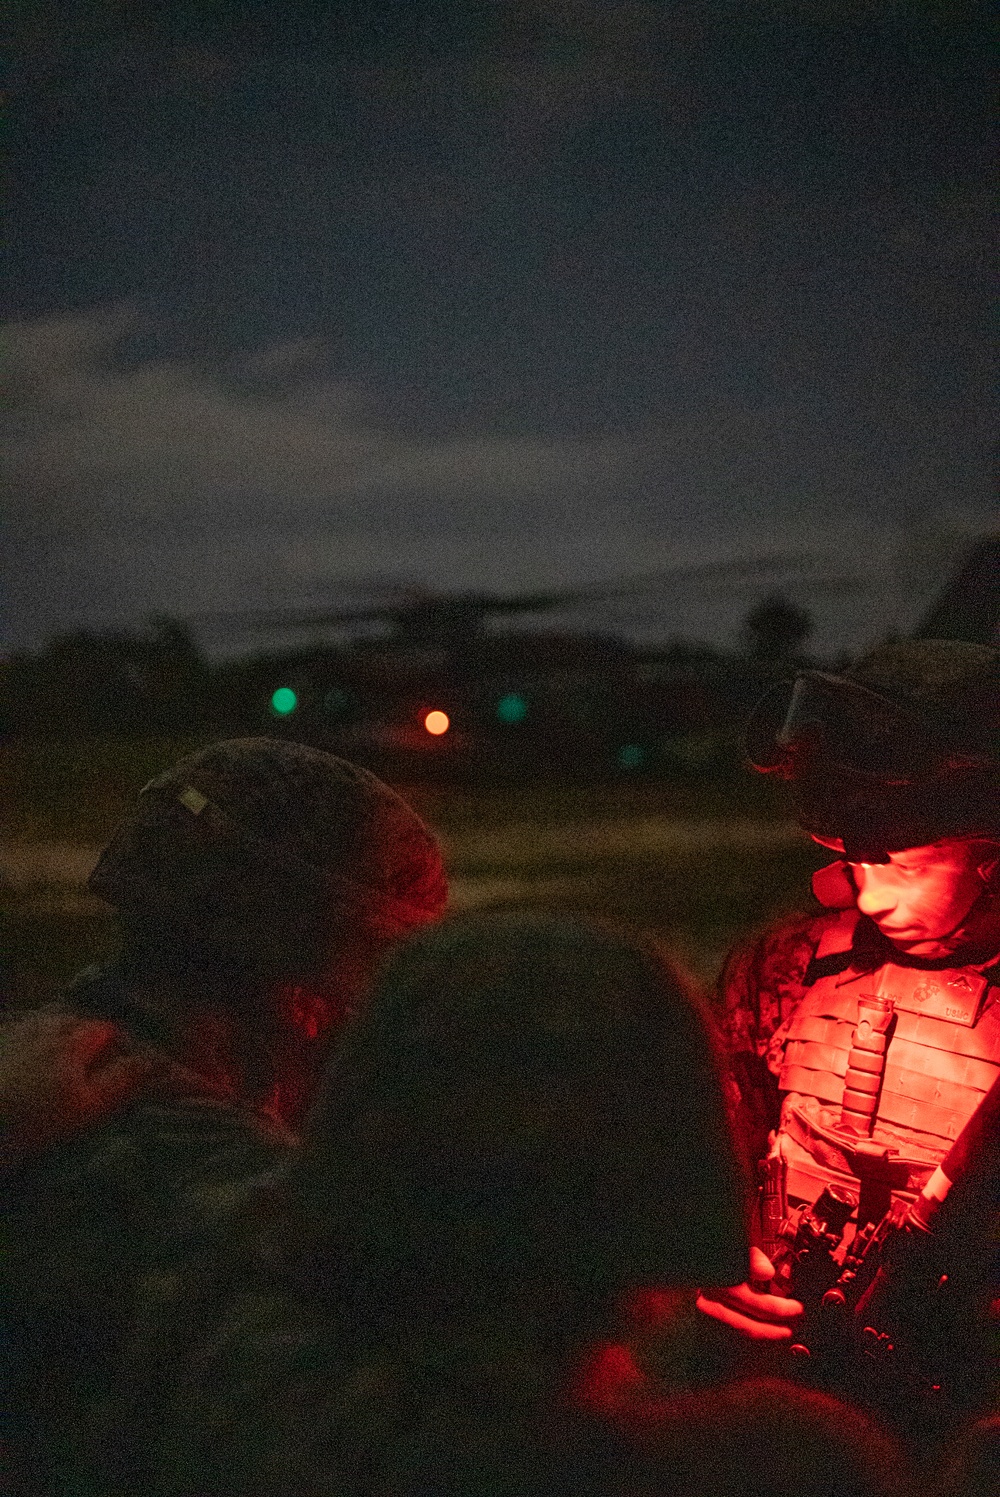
(59, 1075)
(749, 1308)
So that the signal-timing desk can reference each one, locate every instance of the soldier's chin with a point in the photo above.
(915, 944)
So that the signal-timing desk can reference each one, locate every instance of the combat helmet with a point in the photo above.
(899, 750)
(254, 845)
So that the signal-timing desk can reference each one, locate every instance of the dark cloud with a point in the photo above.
(164, 485)
(519, 294)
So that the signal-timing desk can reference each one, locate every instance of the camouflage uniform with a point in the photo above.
(245, 871)
(81, 1224)
(760, 988)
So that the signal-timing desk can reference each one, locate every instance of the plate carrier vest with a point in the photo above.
(917, 1060)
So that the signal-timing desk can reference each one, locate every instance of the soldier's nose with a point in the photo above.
(875, 899)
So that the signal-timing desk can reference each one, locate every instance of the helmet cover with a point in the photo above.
(247, 831)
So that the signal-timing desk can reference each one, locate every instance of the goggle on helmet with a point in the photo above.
(830, 721)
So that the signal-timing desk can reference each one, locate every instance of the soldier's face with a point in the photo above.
(920, 899)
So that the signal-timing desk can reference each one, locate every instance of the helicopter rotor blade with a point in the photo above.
(403, 602)
(293, 618)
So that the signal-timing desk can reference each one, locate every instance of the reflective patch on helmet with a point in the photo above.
(193, 800)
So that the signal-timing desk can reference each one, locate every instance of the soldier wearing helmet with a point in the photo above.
(865, 1034)
(258, 884)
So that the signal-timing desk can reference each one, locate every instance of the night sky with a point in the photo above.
(521, 293)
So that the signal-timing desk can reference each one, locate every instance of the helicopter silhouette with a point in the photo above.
(545, 678)
(420, 619)
(446, 681)
(425, 618)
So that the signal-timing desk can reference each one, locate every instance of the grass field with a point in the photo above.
(697, 861)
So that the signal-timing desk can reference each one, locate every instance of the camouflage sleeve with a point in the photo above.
(80, 1225)
(246, 1391)
(759, 989)
(247, 1377)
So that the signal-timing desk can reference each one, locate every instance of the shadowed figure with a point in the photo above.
(971, 1467)
(525, 1123)
(258, 885)
(525, 1127)
(760, 1437)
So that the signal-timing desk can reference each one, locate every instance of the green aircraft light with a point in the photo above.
(631, 756)
(284, 701)
(512, 708)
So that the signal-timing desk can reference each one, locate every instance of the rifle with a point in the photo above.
(885, 1295)
(802, 1248)
(915, 1307)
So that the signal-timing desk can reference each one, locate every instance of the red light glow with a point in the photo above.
(437, 723)
(608, 1380)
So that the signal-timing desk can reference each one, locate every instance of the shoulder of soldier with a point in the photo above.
(763, 979)
(81, 1219)
(166, 1142)
(188, 1141)
(779, 951)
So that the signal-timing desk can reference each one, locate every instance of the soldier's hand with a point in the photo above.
(749, 1308)
(60, 1074)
